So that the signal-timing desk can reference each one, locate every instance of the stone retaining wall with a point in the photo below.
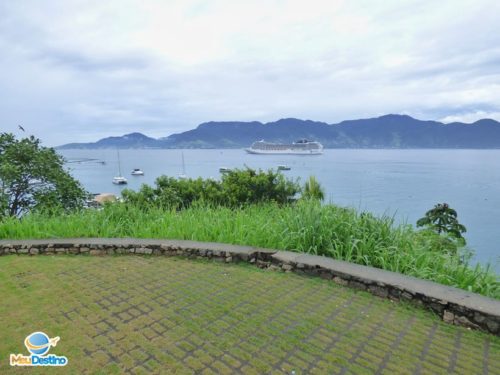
(451, 304)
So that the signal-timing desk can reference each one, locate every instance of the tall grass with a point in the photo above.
(307, 226)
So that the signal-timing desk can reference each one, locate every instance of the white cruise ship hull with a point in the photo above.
(284, 152)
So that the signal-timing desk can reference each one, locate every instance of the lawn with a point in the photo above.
(148, 315)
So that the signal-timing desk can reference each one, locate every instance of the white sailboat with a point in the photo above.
(183, 175)
(119, 180)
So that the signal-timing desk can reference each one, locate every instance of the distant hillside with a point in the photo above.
(389, 131)
(132, 140)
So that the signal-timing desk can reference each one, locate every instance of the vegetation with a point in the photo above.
(313, 189)
(237, 187)
(33, 177)
(305, 226)
(443, 219)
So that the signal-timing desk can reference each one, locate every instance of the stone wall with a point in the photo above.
(451, 304)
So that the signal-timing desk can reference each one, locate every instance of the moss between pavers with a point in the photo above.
(151, 315)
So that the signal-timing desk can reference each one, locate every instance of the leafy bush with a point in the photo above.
(247, 186)
(237, 187)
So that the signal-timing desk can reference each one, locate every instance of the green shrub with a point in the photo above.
(237, 187)
(313, 189)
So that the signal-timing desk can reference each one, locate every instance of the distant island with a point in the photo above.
(389, 131)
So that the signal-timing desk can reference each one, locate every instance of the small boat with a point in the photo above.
(283, 168)
(137, 172)
(119, 180)
(183, 175)
(224, 170)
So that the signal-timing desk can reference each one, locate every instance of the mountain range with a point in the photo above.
(389, 131)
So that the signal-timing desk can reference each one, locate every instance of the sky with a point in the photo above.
(78, 71)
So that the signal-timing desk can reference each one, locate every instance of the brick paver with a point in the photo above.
(133, 314)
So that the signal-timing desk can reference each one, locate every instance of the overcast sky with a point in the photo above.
(73, 71)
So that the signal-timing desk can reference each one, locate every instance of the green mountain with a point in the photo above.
(389, 131)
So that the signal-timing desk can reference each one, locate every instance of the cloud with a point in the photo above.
(108, 68)
(470, 117)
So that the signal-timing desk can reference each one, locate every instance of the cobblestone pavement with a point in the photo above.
(146, 315)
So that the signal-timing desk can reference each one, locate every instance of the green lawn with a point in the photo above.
(167, 315)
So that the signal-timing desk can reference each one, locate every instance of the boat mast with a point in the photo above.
(119, 164)
(183, 165)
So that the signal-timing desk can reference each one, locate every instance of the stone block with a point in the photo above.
(436, 307)
(448, 316)
(357, 285)
(96, 252)
(464, 321)
(326, 275)
(143, 250)
(287, 267)
(407, 296)
(479, 318)
(493, 325)
(379, 291)
(34, 251)
(340, 281)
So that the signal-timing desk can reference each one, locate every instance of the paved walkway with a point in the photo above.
(148, 315)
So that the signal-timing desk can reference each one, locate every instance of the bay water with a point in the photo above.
(399, 183)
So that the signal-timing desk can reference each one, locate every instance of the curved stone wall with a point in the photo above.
(453, 305)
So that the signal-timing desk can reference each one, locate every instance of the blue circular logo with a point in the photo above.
(37, 343)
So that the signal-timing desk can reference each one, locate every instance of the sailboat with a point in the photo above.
(119, 180)
(183, 176)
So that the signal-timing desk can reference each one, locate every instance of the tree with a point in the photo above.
(313, 190)
(443, 219)
(33, 177)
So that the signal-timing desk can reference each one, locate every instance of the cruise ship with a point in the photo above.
(300, 147)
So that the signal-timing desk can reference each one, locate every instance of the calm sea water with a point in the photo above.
(400, 183)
